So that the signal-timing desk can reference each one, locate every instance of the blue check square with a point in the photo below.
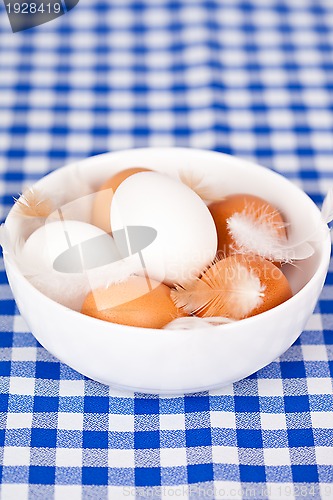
(146, 439)
(198, 437)
(249, 438)
(43, 438)
(292, 369)
(295, 404)
(94, 475)
(4, 403)
(46, 404)
(200, 473)
(252, 473)
(6, 339)
(196, 404)
(95, 439)
(305, 473)
(5, 368)
(147, 476)
(96, 404)
(48, 370)
(41, 474)
(146, 406)
(300, 437)
(247, 404)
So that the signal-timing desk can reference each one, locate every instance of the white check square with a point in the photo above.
(14, 491)
(71, 388)
(172, 422)
(24, 354)
(314, 323)
(69, 457)
(70, 421)
(38, 141)
(62, 491)
(320, 385)
(121, 423)
(314, 352)
(22, 385)
(225, 454)
(276, 456)
(270, 387)
(225, 419)
(121, 458)
(16, 455)
(322, 419)
(271, 421)
(324, 455)
(173, 457)
(19, 421)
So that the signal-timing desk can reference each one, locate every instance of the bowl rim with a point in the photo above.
(225, 328)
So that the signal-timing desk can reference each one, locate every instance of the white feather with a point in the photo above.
(260, 236)
(193, 323)
(233, 292)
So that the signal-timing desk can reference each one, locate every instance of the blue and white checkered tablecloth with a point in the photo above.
(252, 78)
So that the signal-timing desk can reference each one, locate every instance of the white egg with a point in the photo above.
(186, 239)
(53, 239)
(55, 256)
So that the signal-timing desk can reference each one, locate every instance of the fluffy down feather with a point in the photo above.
(258, 235)
(230, 291)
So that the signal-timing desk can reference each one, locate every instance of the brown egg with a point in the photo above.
(255, 209)
(134, 302)
(236, 287)
(102, 202)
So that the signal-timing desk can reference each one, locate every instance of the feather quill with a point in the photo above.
(231, 293)
(193, 323)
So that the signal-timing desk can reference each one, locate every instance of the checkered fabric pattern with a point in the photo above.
(251, 78)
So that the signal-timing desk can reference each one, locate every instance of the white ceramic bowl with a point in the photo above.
(174, 362)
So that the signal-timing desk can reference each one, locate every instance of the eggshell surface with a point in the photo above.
(186, 238)
(53, 238)
(67, 284)
(102, 201)
(132, 302)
